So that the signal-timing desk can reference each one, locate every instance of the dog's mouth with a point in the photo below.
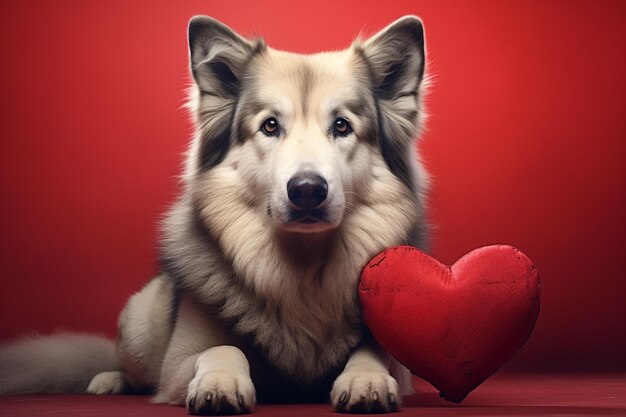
(287, 217)
(308, 216)
(308, 221)
(304, 221)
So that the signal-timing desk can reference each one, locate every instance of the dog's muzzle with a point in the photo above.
(307, 193)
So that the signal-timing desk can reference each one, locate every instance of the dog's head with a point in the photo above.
(303, 133)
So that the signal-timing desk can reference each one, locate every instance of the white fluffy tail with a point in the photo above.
(60, 363)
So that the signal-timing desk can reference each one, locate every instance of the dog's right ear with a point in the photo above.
(218, 59)
(218, 56)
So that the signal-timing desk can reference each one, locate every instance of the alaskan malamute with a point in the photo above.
(302, 168)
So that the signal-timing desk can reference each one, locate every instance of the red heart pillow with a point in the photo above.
(453, 326)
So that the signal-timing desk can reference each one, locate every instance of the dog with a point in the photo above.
(301, 169)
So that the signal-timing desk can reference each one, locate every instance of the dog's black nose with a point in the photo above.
(307, 191)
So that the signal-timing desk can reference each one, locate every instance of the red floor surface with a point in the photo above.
(503, 395)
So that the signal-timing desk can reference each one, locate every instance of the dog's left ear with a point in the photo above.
(395, 56)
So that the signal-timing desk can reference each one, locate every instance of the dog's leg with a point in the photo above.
(144, 330)
(365, 385)
(203, 369)
(221, 383)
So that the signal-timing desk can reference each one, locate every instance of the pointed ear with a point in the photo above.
(218, 56)
(396, 57)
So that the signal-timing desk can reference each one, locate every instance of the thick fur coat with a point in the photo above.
(302, 168)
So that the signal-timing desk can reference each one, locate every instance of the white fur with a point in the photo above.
(110, 382)
(221, 377)
(364, 382)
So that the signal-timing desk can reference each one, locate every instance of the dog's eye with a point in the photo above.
(341, 127)
(270, 127)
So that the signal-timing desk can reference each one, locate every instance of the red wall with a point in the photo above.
(526, 143)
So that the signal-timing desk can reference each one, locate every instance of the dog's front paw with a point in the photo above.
(211, 393)
(361, 391)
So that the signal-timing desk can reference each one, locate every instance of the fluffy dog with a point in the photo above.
(302, 168)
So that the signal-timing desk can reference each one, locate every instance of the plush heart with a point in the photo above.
(453, 326)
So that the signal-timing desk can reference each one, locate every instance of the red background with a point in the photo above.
(526, 143)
